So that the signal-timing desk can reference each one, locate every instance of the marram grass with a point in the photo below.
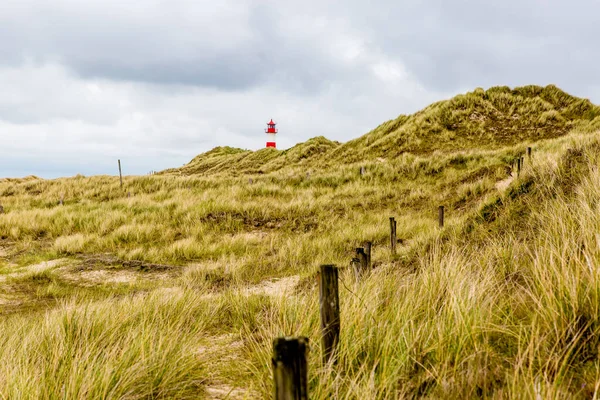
(173, 292)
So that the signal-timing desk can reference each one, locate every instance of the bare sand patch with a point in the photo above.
(274, 287)
(503, 184)
(93, 277)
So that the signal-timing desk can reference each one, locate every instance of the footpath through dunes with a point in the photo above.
(482, 119)
(176, 284)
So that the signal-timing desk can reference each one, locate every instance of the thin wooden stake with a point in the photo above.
(393, 235)
(330, 313)
(362, 171)
(120, 174)
(529, 152)
(441, 216)
(368, 246)
(290, 368)
(518, 166)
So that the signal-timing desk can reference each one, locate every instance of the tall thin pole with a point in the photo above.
(120, 174)
(393, 235)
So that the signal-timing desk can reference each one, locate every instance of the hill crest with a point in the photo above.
(483, 119)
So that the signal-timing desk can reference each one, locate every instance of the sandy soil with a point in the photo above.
(503, 184)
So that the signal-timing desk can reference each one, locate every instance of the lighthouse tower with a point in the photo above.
(271, 131)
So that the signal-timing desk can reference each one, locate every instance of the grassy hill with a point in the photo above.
(176, 285)
(482, 119)
(228, 159)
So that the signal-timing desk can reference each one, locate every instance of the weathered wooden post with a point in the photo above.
(290, 368)
(362, 171)
(368, 246)
(362, 258)
(529, 153)
(62, 199)
(518, 166)
(120, 174)
(441, 216)
(330, 312)
(522, 162)
(393, 234)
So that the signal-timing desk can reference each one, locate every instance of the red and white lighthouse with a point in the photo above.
(271, 132)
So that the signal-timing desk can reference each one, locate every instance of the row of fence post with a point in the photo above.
(290, 354)
(393, 231)
(520, 162)
(290, 365)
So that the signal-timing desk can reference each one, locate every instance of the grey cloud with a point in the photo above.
(156, 82)
(452, 45)
(251, 48)
(446, 45)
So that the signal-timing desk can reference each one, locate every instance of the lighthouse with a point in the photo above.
(271, 131)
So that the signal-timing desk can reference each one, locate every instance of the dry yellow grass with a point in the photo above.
(179, 290)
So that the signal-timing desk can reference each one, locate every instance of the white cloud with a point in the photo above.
(155, 83)
(65, 120)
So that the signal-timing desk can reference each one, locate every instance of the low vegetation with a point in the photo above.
(175, 285)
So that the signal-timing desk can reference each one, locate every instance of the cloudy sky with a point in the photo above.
(86, 82)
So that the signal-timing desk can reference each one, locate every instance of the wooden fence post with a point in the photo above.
(393, 234)
(120, 174)
(529, 152)
(330, 312)
(363, 259)
(518, 166)
(362, 171)
(368, 246)
(290, 368)
(441, 216)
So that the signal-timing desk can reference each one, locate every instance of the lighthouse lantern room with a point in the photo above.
(271, 131)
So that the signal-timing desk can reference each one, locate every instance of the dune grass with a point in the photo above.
(501, 303)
